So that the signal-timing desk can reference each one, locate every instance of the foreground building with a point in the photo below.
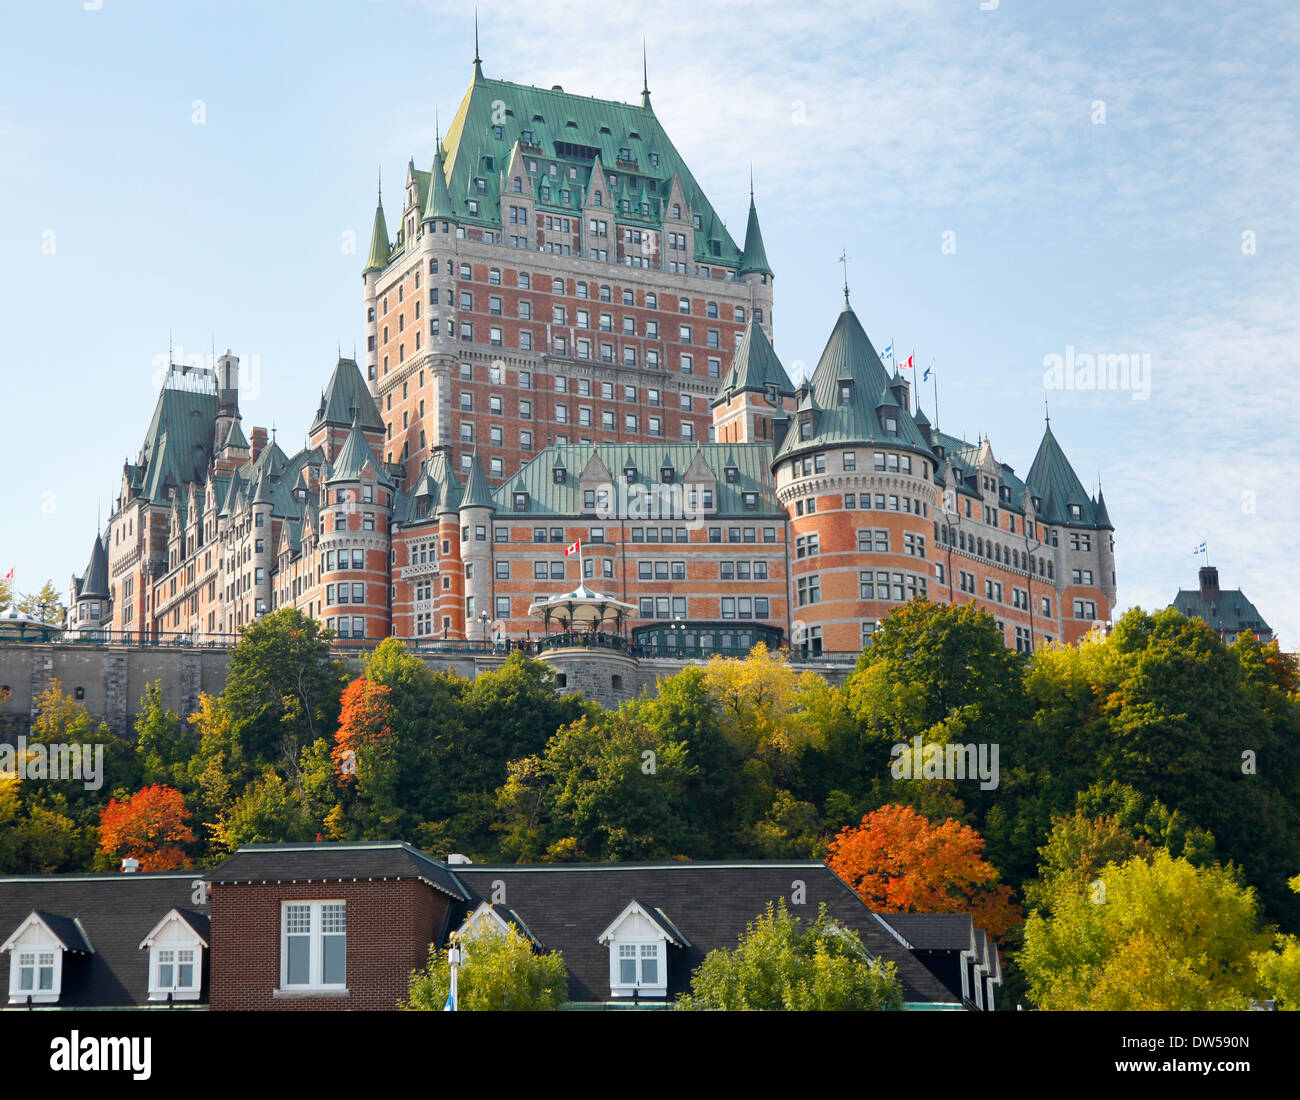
(290, 927)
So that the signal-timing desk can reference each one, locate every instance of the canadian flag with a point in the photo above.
(906, 364)
(10, 575)
(577, 545)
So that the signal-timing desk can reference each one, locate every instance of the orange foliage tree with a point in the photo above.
(149, 826)
(900, 863)
(364, 717)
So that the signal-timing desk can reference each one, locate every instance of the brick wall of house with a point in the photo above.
(390, 925)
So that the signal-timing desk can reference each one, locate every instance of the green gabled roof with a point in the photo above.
(235, 437)
(472, 136)
(754, 366)
(438, 204)
(1227, 610)
(380, 245)
(754, 257)
(347, 398)
(1052, 478)
(178, 442)
(435, 491)
(233, 488)
(94, 581)
(262, 494)
(353, 457)
(546, 497)
(850, 357)
(477, 494)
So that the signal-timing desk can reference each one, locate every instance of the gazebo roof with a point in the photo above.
(582, 604)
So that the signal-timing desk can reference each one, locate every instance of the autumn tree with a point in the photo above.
(44, 605)
(898, 862)
(149, 826)
(1279, 969)
(1157, 935)
(784, 963)
(6, 592)
(499, 972)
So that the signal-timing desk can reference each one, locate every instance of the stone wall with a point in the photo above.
(111, 679)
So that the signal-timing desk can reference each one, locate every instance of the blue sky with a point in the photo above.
(1109, 177)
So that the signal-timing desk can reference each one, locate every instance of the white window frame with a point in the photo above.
(171, 936)
(31, 940)
(315, 952)
(637, 929)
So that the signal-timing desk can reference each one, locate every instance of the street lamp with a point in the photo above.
(483, 620)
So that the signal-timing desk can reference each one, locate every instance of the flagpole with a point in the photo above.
(936, 395)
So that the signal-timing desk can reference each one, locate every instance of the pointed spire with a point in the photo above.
(753, 257)
(380, 245)
(438, 204)
(477, 494)
(478, 61)
(645, 78)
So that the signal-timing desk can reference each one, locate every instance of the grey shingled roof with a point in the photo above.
(94, 581)
(1229, 610)
(708, 905)
(333, 861)
(109, 914)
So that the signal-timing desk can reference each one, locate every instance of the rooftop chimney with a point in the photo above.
(130, 864)
(257, 441)
(1209, 582)
(456, 859)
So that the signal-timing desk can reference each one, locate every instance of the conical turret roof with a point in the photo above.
(354, 456)
(755, 366)
(1053, 480)
(753, 258)
(477, 494)
(380, 245)
(94, 581)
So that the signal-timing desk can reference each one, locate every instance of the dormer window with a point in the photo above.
(36, 951)
(175, 949)
(805, 429)
(1076, 512)
(732, 475)
(526, 137)
(629, 472)
(667, 474)
(480, 185)
(845, 391)
(558, 474)
(521, 502)
(517, 185)
(891, 425)
(638, 942)
(625, 153)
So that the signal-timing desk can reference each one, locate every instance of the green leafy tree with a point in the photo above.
(500, 972)
(162, 744)
(785, 963)
(1279, 969)
(282, 689)
(269, 811)
(1160, 935)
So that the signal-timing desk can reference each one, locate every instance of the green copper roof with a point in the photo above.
(380, 246)
(754, 366)
(754, 257)
(262, 495)
(178, 443)
(438, 204)
(353, 457)
(849, 397)
(94, 581)
(1053, 480)
(1102, 516)
(232, 494)
(1223, 609)
(689, 461)
(235, 437)
(477, 494)
(556, 128)
(345, 398)
(435, 491)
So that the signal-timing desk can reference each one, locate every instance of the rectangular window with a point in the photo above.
(313, 944)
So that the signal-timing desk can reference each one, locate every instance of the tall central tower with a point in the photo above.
(557, 275)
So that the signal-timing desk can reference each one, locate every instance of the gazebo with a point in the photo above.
(16, 626)
(582, 615)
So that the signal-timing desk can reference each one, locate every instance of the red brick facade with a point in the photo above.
(390, 925)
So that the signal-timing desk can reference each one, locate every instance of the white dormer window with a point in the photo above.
(36, 958)
(638, 942)
(175, 949)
